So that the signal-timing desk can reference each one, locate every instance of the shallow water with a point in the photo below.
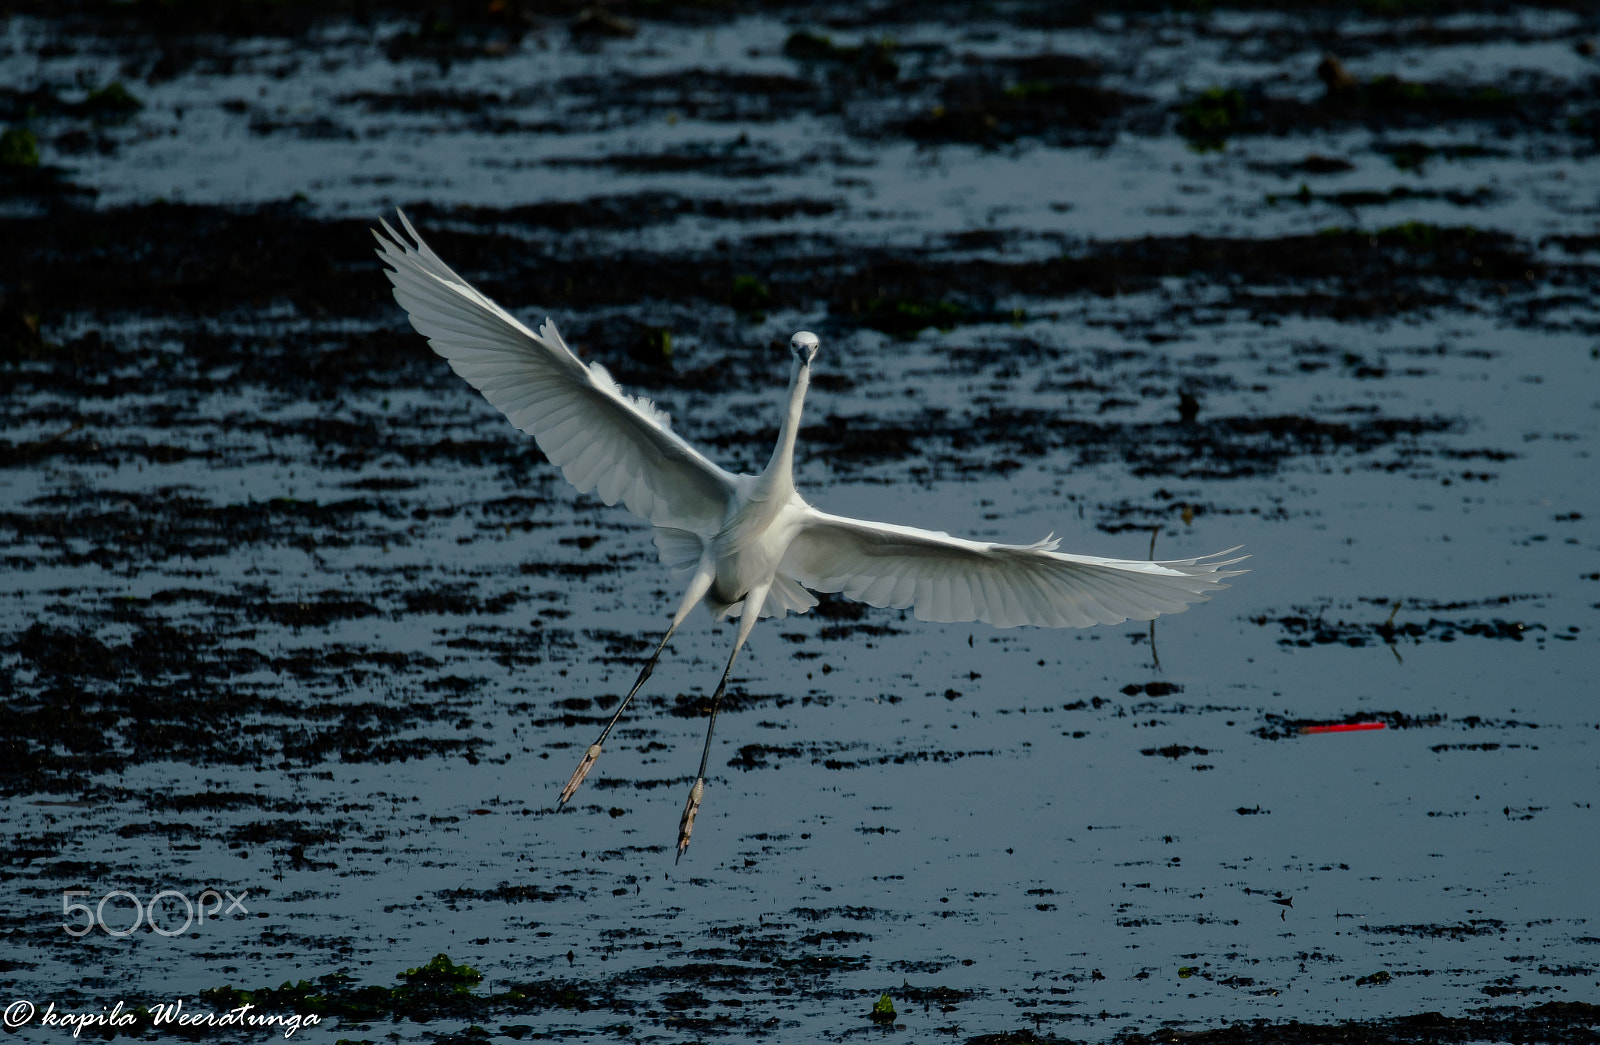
(293, 612)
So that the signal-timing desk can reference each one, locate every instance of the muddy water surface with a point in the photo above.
(295, 616)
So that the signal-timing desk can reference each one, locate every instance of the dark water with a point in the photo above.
(292, 612)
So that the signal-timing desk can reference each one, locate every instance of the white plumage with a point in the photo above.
(602, 440)
(751, 539)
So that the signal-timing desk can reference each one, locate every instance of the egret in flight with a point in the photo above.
(750, 545)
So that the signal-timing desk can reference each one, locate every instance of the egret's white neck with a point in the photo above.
(780, 469)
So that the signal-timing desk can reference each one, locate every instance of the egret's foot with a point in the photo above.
(690, 809)
(578, 774)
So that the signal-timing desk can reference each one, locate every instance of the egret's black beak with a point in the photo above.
(804, 347)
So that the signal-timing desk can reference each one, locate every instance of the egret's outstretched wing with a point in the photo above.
(602, 439)
(944, 578)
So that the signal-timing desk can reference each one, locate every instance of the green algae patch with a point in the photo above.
(19, 149)
(113, 101)
(750, 296)
(907, 317)
(440, 988)
(874, 59)
(1210, 118)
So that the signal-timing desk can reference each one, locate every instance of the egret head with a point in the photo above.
(803, 346)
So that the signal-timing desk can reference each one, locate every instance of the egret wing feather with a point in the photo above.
(948, 579)
(602, 439)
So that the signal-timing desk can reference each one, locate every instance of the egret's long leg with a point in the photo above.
(698, 587)
(747, 620)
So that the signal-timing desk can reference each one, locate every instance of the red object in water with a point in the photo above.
(1342, 727)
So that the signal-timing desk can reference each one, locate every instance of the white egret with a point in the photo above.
(750, 544)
